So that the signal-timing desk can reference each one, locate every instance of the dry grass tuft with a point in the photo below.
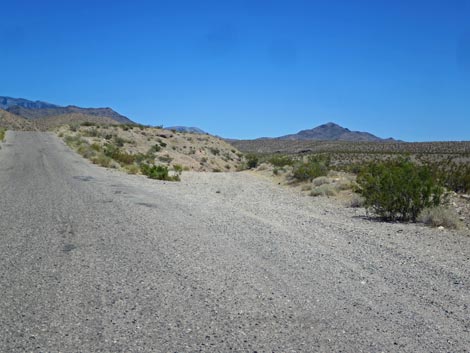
(440, 216)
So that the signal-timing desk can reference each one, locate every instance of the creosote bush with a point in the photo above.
(281, 160)
(2, 134)
(399, 189)
(159, 172)
(252, 160)
(307, 171)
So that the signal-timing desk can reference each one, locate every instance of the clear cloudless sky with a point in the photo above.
(248, 68)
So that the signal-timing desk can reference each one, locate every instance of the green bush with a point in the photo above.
(118, 155)
(251, 160)
(2, 134)
(280, 161)
(178, 168)
(398, 190)
(88, 123)
(454, 176)
(119, 141)
(157, 172)
(154, 149)
(214, 151)
(307, 171)
(102, 160)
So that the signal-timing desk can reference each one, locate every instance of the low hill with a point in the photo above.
(33, 110)
(14, 122)
(157, 146)
(333, 132)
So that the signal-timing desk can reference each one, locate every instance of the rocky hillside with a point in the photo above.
(33, 110)
(14, 122)
(126, 146)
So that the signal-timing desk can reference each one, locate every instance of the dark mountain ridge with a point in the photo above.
(333, 132)
(33, 110)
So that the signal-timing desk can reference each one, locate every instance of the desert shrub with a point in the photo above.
(86, 151)
(88, 123)
(119, 141)
(343, 185)
(127, 127)
(96, 147)
(214, 151)
(91, 132)
(118, 155)
(178, 168)
(356, 201)
(252, 160)
(455, 176)
(309, 170)
(324, 190)
(154, 149)
(321, 180)
(132, 169)
(165, 159)
(102, 160)
(2, 134)
(147, 157)
(440, 216)
(157, 172)
(399, 189)
(280, 160)
(74, 141)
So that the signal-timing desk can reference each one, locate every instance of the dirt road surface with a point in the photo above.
(93, 260)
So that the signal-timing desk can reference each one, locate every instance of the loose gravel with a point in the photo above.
(93, 260)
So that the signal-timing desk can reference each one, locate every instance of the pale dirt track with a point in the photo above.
(93, 260)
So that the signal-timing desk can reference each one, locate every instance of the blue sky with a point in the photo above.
(249, 68)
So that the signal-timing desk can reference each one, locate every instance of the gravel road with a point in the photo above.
(93, 260)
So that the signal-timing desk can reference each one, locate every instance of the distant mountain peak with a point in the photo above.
(33, 110)
(332, 132)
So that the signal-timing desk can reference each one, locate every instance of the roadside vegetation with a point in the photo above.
(2, 134)
(399, 189)
(424, 187)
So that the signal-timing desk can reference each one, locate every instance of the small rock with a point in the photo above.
(440, 228)
(465, 197)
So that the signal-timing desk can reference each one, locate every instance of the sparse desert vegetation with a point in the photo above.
(155, 152)
(396, 181)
